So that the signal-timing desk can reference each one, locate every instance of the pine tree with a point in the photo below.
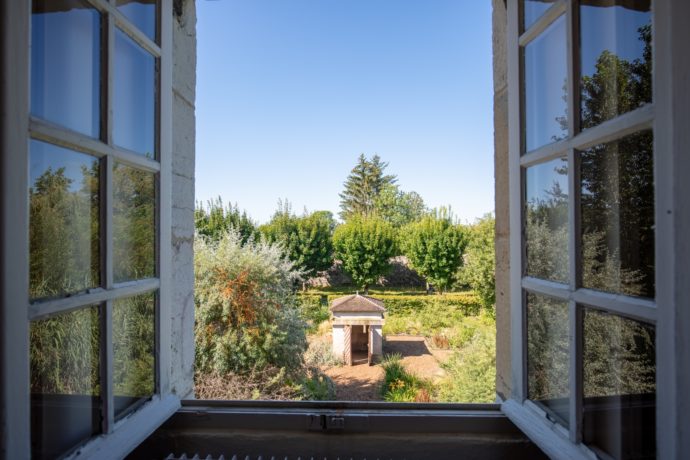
(362, 187)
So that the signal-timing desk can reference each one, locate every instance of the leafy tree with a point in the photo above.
(479, 270)
(307, 239)
(363, 186)
(215, 220)
(397, 207)
(364, 245)
(434, 246)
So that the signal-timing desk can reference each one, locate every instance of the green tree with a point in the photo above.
(479, 268)
(434, 246)
(363, 186)
(397, 207)
(365, 245)
(307, 239)
(215, 219)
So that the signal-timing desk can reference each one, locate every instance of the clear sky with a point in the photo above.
(289, 93)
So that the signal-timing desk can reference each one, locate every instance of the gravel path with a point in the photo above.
(362, 382)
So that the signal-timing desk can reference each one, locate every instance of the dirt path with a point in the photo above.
(362, 382)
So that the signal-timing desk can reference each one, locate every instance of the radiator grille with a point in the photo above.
(259, 457)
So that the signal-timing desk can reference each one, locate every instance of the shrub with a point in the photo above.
(479, 270)
(246, 314)
(471, 370)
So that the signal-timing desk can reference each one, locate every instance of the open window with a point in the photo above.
(586, 226)
(86, 257)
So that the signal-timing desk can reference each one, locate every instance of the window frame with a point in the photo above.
(668, 312)
(119, 437)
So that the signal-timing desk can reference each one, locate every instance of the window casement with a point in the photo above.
(587, 247)
(86, 242)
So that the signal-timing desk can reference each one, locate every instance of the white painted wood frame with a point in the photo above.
(669, 117)
(17, 127)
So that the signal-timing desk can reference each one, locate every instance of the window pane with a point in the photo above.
(619, 386)
(546, 213)
(135, 95)
(65, 383)
(65, 64)
(548, 354)
(142, 13)
(617, 209)
(533, 9)
(616, 55)
(133, 351)
(134, 223)
(63, 221)
(545, 87)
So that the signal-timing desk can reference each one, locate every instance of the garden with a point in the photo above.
(262, 296)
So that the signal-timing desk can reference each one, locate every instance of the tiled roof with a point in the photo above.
(357, 303)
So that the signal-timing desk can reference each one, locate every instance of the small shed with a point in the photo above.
(357, 328)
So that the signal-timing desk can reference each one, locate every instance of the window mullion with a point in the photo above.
(108, 411)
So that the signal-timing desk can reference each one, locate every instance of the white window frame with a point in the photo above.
(668, 117)
(119, 437)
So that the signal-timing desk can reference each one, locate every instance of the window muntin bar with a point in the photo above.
(532, 10)
(141, 13)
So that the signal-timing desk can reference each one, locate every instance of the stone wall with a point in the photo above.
(184, 87)
(502, 193)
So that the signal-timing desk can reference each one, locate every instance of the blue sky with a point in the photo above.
(289, 93)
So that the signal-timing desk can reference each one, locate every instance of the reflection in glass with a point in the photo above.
(616, 53)
(548, 354)
(617, 209)
(619, 386)
(134, 98)
(65, 385)
(546, 214)
(545, 87)
(533, 9)
(133, 351)
(63, 221)
(134, 224)
(142, 13)
(65, 64)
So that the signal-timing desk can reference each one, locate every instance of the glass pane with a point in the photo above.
(63, 221)
(617, 209)
(548, 354)
(546, 214)
(616, 55)
(545, 87)
(134, 224)
(65, 383)
(133, 351)
(533, 9)
(135, 95)
(619, 386)
(142, 13)
(65, 64)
